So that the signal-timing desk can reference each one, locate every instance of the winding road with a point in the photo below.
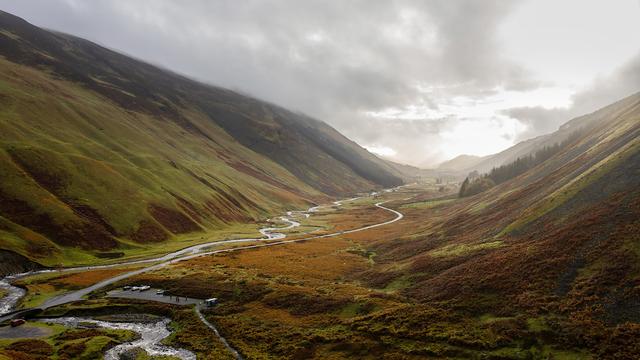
(271, 233)
(77, 295)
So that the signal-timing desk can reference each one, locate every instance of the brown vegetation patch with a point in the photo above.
(92, 215)
(302, 304)
(175, 221)
(72, 350)
(246, 169)
(81, 234)
(148, 231)
(36, 348)
(226, 212)
(84, 279)
(187, 207)
(33, 161)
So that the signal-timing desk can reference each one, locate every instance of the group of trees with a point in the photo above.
(474, 184)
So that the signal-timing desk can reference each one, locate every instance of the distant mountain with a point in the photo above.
(101, 153)
(468, 163)
(461, 162)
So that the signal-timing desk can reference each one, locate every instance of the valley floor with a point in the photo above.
(368, 294)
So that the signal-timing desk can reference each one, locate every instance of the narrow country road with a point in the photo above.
(195, 251)
(77, 295)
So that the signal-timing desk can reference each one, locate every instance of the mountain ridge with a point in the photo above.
(104, 155)
(467, 163)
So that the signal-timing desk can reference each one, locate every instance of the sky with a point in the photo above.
(418, 82)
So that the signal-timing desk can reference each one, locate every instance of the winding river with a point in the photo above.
(150, 336)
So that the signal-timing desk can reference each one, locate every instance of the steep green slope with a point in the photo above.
(83, 172)
(102, 154)
(267, 129)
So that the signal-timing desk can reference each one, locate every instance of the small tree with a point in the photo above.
(463, 187)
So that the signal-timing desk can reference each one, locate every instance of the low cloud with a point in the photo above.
(603, 91)
(337, 61)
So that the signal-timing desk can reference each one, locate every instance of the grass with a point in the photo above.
(398, 284)
(559, 354)
(538, 324)
(490, 318)
(117, 163)
(428, 204)
(352, 310)
(464, 249)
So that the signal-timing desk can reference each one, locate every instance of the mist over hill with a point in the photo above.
(99, 149)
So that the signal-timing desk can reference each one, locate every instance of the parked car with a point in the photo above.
(160, 292)
(17, 322)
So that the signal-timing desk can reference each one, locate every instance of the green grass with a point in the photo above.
(351, 310)
(398, 284)
(427, 204)
(538, 324)
(118, 162)
(557, 354)
(32, 300)
(479, 206)
(464, 249)
(490, 318)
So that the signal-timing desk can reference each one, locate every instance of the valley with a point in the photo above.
(104, 278)
(342, 293)
(148, 215)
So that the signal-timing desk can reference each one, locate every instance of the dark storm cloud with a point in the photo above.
(338, 61)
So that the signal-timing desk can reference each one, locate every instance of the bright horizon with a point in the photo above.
(416, 82)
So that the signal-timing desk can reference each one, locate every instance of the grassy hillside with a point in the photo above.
(103, 155)
(557, 246)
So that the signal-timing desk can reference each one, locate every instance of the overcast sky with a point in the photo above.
(418, 81)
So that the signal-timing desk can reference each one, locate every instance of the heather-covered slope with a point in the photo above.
(101, 153)
(556, 249)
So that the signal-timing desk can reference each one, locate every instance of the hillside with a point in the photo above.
(545, 265)
(553, 254)
(461, 162)
(468, 163)
(102, 154)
